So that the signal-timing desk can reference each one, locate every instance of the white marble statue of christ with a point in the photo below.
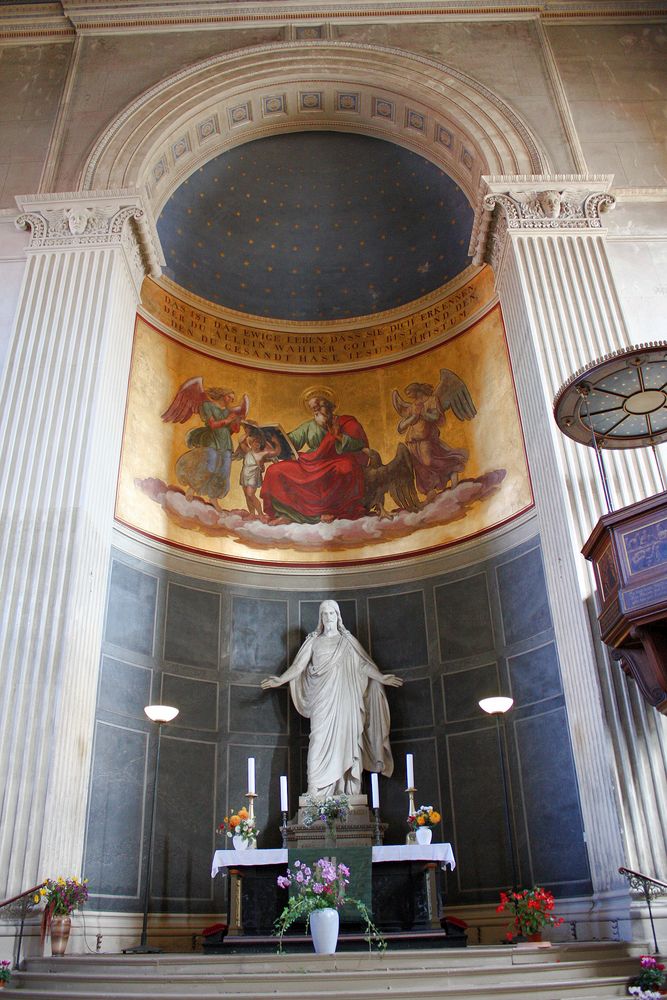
(335, 684)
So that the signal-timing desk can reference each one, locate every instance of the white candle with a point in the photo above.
(375, 791)
(283, 793)
(409, 770)
(251, 775)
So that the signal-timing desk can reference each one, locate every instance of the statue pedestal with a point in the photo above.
(357, 831)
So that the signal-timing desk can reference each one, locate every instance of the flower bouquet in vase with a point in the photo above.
(240, 829)
(317, 895)
(532, 909)
(330, 811)
(422, 822)
(5, 973)
(62, 896)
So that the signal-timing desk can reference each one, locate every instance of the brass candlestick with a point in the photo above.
(411, 837)
(283, 829)
(251, 796)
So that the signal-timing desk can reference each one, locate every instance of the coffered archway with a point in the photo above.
(226, 100)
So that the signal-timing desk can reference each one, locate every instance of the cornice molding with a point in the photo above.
(37, 22)
(58, 20)
(98, 14)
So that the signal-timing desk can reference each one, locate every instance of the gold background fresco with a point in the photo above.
(493, 438)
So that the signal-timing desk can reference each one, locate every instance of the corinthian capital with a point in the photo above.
(539, 205)
(94, 219)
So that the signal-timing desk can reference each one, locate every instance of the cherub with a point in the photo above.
(256, 449)
(205, 469)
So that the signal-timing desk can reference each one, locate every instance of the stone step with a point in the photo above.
(563, 972)
(303, 985)
(413, 959)
(607, 988)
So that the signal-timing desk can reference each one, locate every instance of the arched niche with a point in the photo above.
(226, 100)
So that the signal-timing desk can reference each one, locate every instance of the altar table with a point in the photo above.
(431, 855)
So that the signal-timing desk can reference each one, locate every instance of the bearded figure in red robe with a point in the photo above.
(326, 481)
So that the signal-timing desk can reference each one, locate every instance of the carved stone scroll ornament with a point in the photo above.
(536, 211)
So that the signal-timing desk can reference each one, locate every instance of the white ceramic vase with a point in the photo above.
(240, 844)
(324, 930)
(424, 834)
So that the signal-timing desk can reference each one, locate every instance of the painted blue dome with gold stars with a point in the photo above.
(315, 226)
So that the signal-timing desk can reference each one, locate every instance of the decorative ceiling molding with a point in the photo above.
(415, 102)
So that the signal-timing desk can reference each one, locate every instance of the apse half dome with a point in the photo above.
(315, 226)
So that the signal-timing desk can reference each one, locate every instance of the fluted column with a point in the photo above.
(544, 237)
(63, 401)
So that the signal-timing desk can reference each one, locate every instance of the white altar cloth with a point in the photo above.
(389, 852)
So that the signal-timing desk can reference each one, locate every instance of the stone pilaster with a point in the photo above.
(545, 238)
(63, 400)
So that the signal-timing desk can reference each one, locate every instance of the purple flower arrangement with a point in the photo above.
(318, 888)
(322, 886)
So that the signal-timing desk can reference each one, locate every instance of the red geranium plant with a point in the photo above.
(532, 909)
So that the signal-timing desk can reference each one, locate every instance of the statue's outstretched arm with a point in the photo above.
(389, 680)
(301, 661)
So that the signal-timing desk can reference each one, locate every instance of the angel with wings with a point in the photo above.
(205, 469)
(436, 464)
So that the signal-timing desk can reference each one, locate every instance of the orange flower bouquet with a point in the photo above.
(424, 816)
(239, 824)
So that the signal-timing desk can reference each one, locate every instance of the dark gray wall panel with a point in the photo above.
(464, 618)
(184, 837)
(252, 710)
(124, 688)
(523, 596)
(478, 812)
(309, 615)
(259, 635)
(411, 706)
(113, 842)
(130, 621)
(398, 631)
(197, 702)
(192, 628)
(535, 675)
(464, 689)
(551, 798)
